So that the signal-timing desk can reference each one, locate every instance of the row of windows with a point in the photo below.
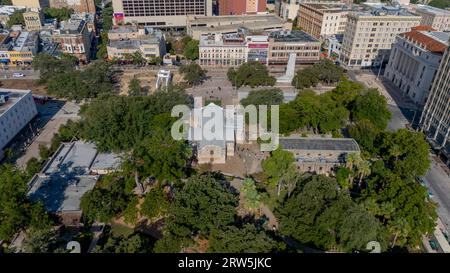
(13, 121)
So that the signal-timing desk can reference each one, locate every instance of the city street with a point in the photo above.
(29, 74)
(69, 111)
(405, 112)
(439, 184)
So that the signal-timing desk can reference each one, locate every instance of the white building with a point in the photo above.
(368, 36)
(17, 109)
(222, 50)
(435, 119)
(414, 60)
(287, 9)
(438, 19)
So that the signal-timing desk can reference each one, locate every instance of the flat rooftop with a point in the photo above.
(26, 41)
(328, 6)
(72, 26)
(61, 194)
(319, 144)
(125, 44)
(69, 174)
(292, 36)
(228, 19)
(12, 97)
(380, 9)
(433, 10)
(123, 29)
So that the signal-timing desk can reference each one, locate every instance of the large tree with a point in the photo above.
(277, 165)
(266, 97)
(192, 73)
(365, 133)
(248, 239)
(191, 50)
(161, 156)
(371, 106)
(405, 152)
(106, 201)
(324, 71)
(16, 211)
(204, 204)
(322, 215)
(120, 123)
(402, 205)
(251, 74)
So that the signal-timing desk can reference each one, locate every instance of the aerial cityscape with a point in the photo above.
(224, 126)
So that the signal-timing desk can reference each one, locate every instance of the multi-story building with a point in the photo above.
(241, 7)
(77, 5)
(159, 13)
(125, 40)
(222, 50)
(435, 119)
(82, 166)
(17, 109)
(283, 43)
(287, 9)
(319, 155)
(34, 4)
(368, 36)
(438, 19)
(34, 19)
(204, 25)
(322, 20)
(19, 47)
(6, 12)
(234, 49)
(74, 38)
(91, 22)
(414, 60)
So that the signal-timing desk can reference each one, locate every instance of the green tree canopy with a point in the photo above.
(405, 152)
(442, 4)
(16, 18)
(247, 239)
(16, 211)
(277, 164)
(192, 73)
(320, 214)
(202, 205)
(266, 97)
(105, 201)
(120, 123)
(155, 203)
(323, 71)
(61, 14)
(371, 106)
(191, 50)
(251, 74)
(365, 133)
(400, 203)
(250, 196)
(162, 157)
(321, 113)
(135, 88)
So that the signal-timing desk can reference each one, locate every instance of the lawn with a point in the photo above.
(121, 230)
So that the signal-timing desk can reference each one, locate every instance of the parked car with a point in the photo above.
(433, 245)
(18, 75)
(420, 180)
